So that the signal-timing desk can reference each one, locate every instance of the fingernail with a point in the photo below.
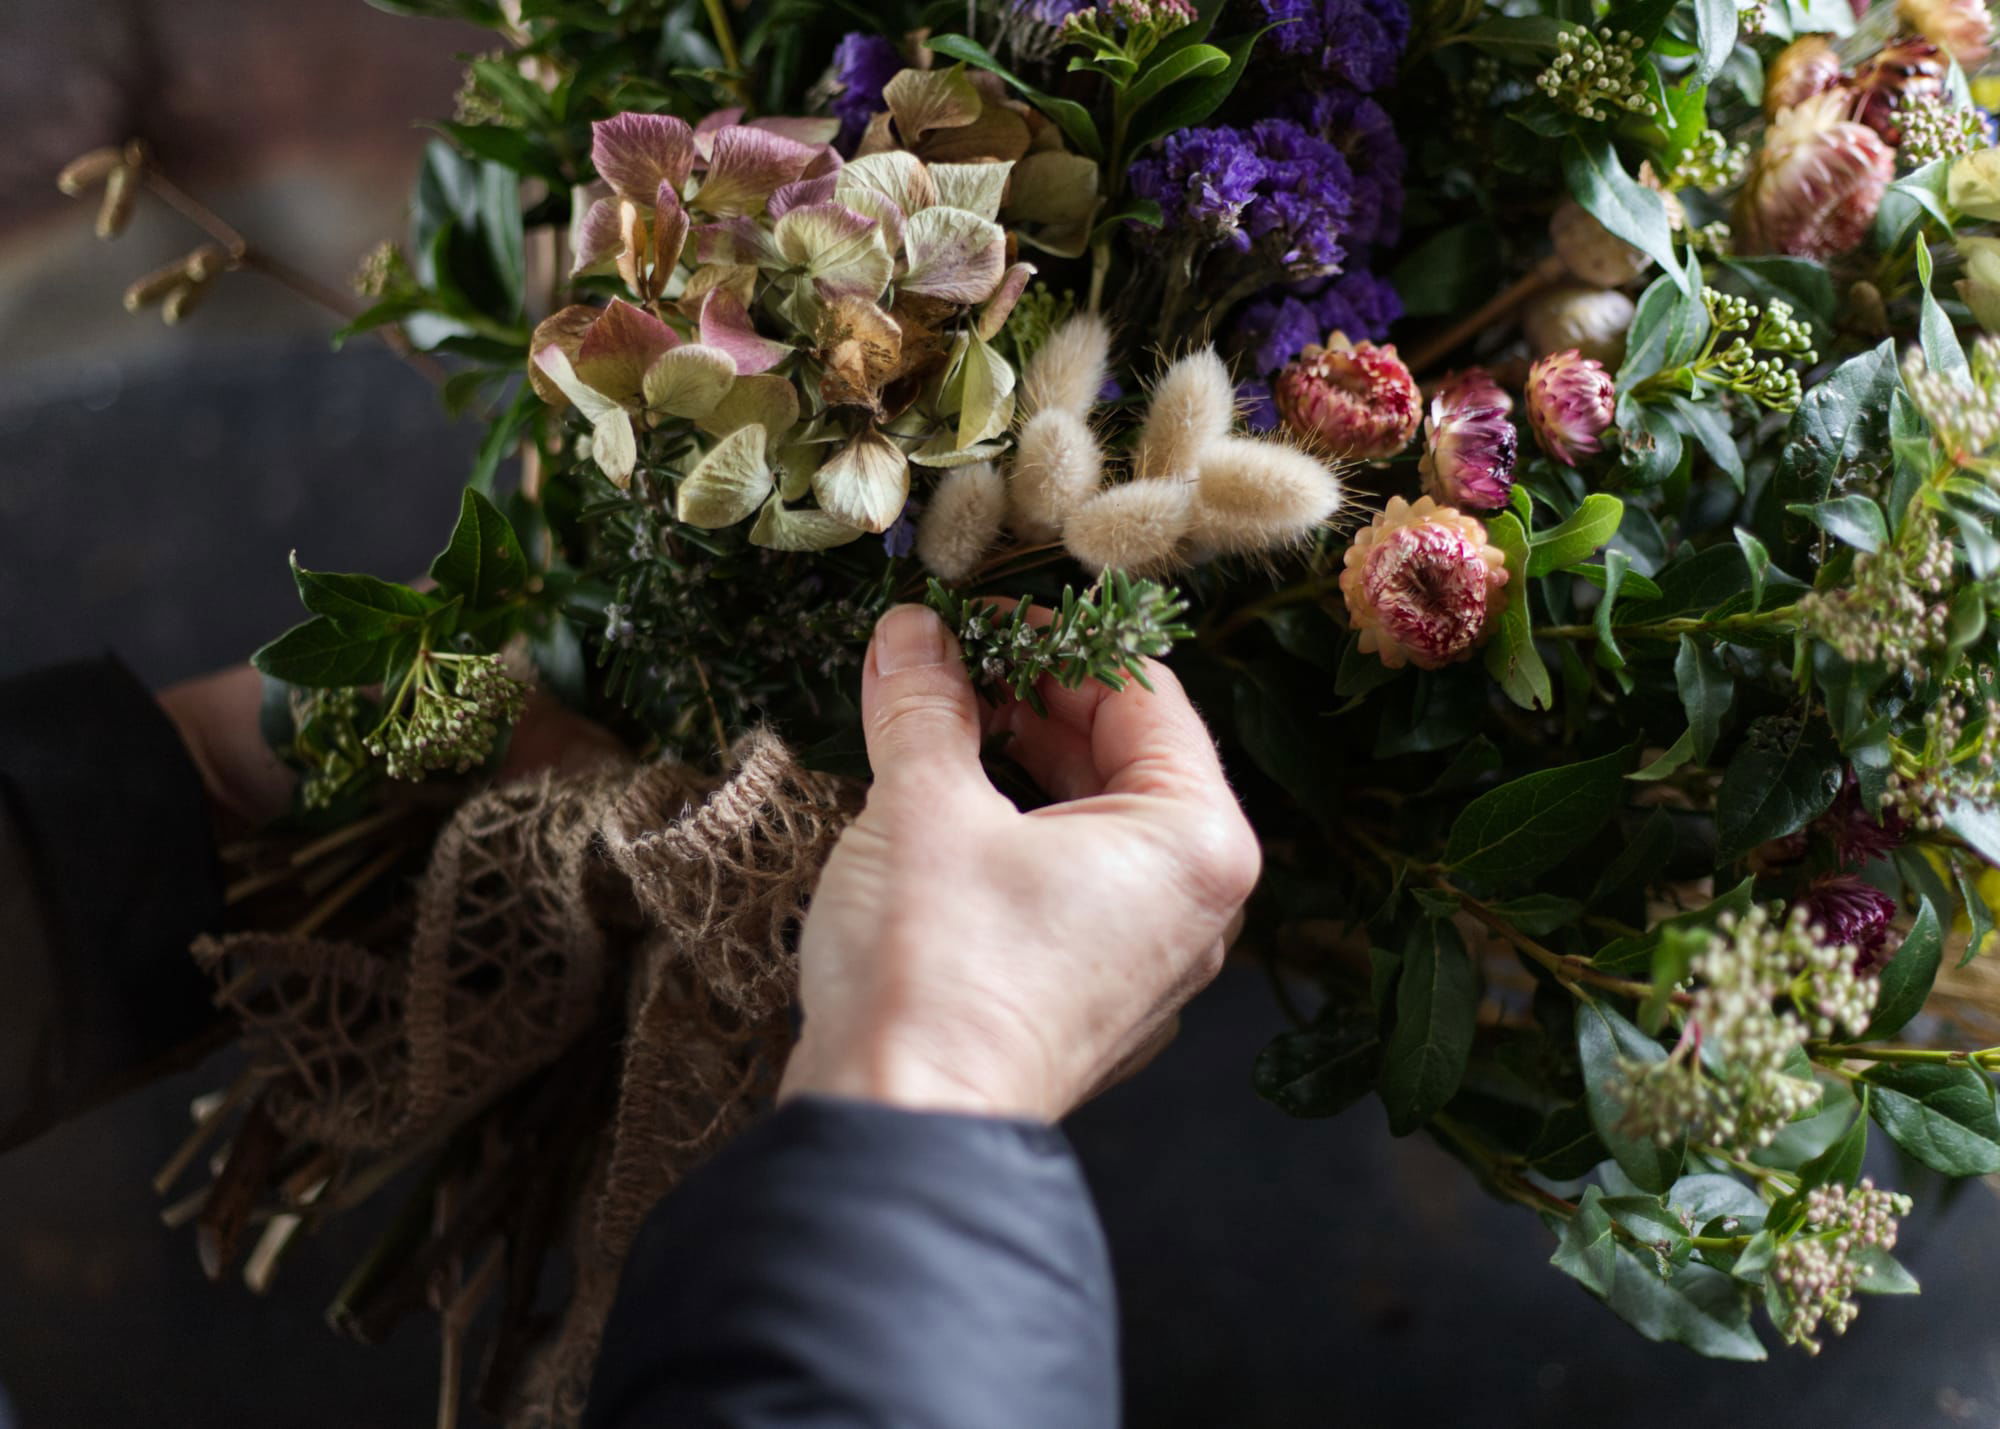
(908, 637)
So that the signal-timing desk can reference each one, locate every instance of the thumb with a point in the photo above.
(918, 710)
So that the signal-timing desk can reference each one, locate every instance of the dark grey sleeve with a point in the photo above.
(107, 873)
(847, 1264)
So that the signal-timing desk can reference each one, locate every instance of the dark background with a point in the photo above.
(1274, 1273)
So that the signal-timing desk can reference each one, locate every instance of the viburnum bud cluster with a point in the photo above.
(1422, 584)
(1726, 1085)
(1959, 763)
(1571, 403)
(1356, 398)
(1590, 77)
(1469, 444)
(457, 706)
(1818, 1270)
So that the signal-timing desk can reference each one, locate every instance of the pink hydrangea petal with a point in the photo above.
(636, 153)
(826, 161)
(1000, 306)
(800, 193)
(739, 241)
(599, 238)
(746, 166)
(804, 129)
(725, 324)
(620, 346)
(670, 229)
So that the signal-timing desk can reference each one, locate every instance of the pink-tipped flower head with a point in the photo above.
(1356, 398)
(1858, 836)
(1816, 184)
(1961, 28)
(1422, 584)
(1807, 66)
(1846, 910)
(1901, 74)
(1469, 445)
(1571, 403)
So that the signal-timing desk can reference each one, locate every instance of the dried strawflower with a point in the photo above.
(1469, 443)
(1903, 73)
(1192, 405)
(1068, 369)
(961, 521)
(1139, 527)
(1963, 29)
(1590, 251)
(1057, 465)
(1816, 183)
(1802, 69)
(1845, 910)
(1422, 584)
(1594, 321)
(1356, 399)
(1571, 402)
(1255, 495)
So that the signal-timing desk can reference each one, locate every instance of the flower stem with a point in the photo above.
(1984, 1058)
(1681, 625)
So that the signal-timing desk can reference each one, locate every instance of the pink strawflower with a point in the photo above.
(1571, 403)
(1816, 184)
(1846, 910)
(1962, 28)
(1469, 445)
(1358, 399)
(1807, 66)
(1858, 836)
(1422, 584)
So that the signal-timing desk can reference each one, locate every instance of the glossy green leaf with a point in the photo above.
(1525, 827)
(1437, 1003)
(1905, 982)
(483, 564)
(1603, 1036)
(1587, 529)
(1942, 1115)
(1784, 776)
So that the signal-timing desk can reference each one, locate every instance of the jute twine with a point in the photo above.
(671, 893)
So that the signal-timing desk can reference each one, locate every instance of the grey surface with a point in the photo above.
(1274, 1274)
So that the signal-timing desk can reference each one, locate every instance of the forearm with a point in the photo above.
(107, 872)
(849, 1264)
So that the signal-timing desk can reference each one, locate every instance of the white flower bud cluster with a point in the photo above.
(1711, 162)
(1726, 1085)
(457, 707)
(1818, 1270)
(1892, 608)
(1957, 765)
(1935, 128)
(1738, 367)
(1590, 77)
(1964, 416)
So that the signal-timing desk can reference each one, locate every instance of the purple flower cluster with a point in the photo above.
(1350, 42)
(862, 64)
(1275, 189)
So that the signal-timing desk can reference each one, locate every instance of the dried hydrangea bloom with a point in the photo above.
(1356, 399)
(1469, 445)
(1816, 183)
(1962, 28)
(1805, 67)
(1571, 402)
(1422, 584)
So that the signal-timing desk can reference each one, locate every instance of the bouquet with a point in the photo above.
(1606, 663)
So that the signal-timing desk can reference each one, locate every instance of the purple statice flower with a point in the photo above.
(1362, 131)
(1359, 304)
(1257, 404)
(1351, 42)
(862, 64)
(1203, 179)
(1306, 198)
(901, 537)
(1275, 328)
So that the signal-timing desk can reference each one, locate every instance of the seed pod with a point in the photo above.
(121, 191)
(1592, 320)
(155, 286)
(1138, 527)
(1588, 249)
(1193, 404)
(1259, 496)
(1067, 372)
(1057, 465)
(86, 171)
(961, 521)
(182, 300)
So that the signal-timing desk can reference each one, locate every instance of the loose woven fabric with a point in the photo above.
(670, 891)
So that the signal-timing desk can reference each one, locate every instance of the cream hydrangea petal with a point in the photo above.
(727, 484)
(865, 483)
(747, 167)
(976, 188)
(779, 528)
(767, 399)
(613, 444)
(689, 381)
(900, 177)
(953, 255)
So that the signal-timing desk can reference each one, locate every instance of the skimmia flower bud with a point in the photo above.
(1422, 584)
(1816, 183)
(1358, 399)
(1896, 77)
(1570, 405)
(1846, 910)
(1963, 29)
(1805, 67)
(1469, 445)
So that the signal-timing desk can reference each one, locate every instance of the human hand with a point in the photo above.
(218, 716)
(961, 955)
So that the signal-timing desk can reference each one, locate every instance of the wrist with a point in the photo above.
(887, 1070)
